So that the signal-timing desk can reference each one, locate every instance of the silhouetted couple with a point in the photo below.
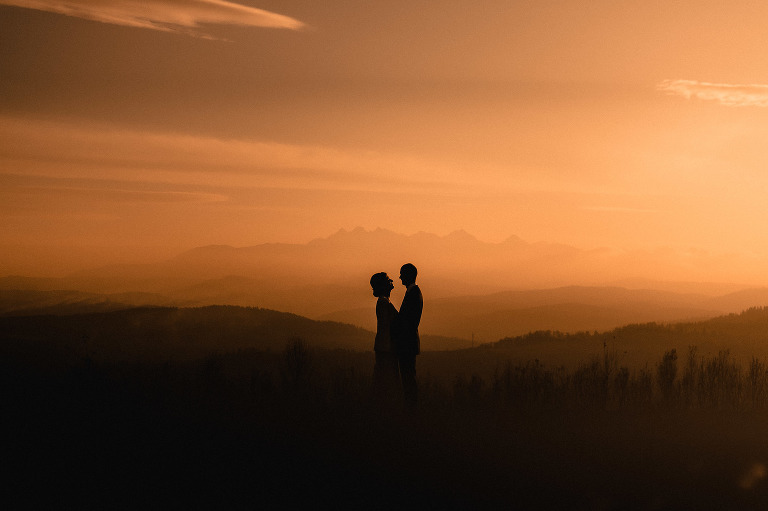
(397, 333)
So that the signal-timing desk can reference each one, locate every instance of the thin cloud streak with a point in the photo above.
(724, 93)
(31, 147)
(84, 190)
(182, 16)
(61, 149)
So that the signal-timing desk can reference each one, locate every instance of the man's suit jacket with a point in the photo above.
(407, 323)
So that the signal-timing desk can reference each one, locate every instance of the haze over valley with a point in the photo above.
(479, 292)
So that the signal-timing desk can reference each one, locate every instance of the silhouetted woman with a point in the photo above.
(385, 371)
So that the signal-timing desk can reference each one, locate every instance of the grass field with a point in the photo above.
(258, 430)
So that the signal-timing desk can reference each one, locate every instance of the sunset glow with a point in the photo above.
(325, 254)
(131, 131)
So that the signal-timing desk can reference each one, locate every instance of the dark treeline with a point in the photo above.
(744, 335)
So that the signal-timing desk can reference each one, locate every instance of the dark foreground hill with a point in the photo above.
(157, 333)
(482, 318)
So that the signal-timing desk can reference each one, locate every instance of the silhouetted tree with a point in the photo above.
(666, 373)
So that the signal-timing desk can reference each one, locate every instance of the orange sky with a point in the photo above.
(133, 130)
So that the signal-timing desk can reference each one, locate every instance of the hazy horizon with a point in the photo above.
(441, 256)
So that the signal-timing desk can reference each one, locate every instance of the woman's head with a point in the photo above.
(381, 284)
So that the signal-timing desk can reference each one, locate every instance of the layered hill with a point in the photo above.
(158, 333)
(331, 274)
(474, 290)
(488, 318)
(475, 319)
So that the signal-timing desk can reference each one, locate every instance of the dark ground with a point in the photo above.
(255, 430)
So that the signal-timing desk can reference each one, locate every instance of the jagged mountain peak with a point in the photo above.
(359, 232)
(462, 236)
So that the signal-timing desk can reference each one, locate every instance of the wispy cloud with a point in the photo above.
(724, 93)
(107, 190)
(184, 16)
(35, 147)
(60, 149)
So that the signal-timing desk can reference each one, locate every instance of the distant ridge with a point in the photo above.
(15, 302)
(330, 276)
(567, 309)
(31, 283)
(513, 263)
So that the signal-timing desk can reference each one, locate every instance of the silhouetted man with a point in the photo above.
(407, 332)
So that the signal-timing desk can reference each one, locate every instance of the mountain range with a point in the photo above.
(473, 290)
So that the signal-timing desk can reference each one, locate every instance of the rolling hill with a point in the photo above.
(475, 319)
(158, 333)
(491, 317)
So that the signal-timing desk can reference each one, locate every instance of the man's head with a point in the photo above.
(408, 274)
